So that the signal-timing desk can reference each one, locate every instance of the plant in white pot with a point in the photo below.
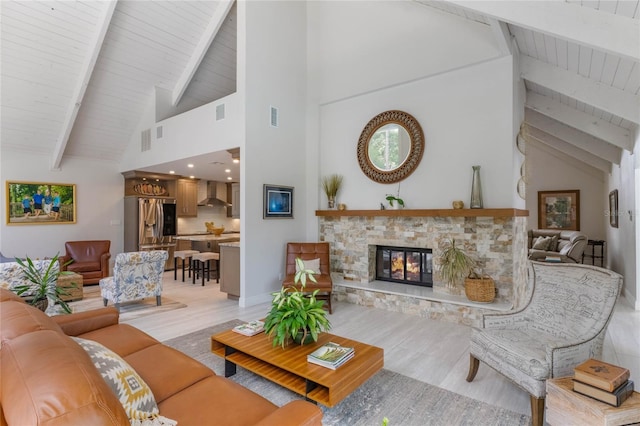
(295, 314)
(457, 266)
(395, 202)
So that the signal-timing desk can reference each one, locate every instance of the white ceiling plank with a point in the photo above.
(575, 137)
(83, 82)
(502, 35)
(201, 49)
(571, 153)
(622, 138)
(616, 34)
(615, 101)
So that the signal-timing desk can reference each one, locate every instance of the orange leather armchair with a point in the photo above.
(310, 251)
(89, 259)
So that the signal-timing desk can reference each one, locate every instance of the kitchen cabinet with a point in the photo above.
(230, 269)
(235, 200)
(187, 199)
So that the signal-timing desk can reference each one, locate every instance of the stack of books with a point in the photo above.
(602, 381)
(556, 259)
(250, 328)
(331, 355)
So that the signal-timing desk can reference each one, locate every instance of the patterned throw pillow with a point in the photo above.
(132, 392)
(541, 243)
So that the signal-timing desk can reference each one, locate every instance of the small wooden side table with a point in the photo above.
(72, 284)
(564, 407)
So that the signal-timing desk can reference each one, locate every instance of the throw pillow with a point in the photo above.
(313, 264)
(542, 243)
(553, 245)
(132, 392)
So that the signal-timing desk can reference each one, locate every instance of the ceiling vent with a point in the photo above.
(274, 116)
(159, 132)
(220, 112)
(145, 140)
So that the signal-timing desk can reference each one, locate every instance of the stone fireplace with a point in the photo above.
(495, 236)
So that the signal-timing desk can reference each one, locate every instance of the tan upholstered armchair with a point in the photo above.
(562, 325)
(309, 252)
(89, 259)
(568, 245)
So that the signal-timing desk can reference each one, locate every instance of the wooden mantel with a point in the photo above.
(426, 213)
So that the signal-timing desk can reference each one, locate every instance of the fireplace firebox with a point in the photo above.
(408, 265)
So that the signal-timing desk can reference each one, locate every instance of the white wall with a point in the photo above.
(466, 119)
(272, 72)
(622, 250)
(99, 197)
(549, 170)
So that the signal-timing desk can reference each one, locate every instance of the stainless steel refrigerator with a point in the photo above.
(150, 224)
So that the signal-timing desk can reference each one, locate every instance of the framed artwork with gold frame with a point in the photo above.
(40, 203)
(559, 210)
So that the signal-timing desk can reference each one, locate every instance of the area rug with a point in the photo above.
(403, 400)
(128, 310)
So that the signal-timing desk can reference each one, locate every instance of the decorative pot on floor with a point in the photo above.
(481, 290)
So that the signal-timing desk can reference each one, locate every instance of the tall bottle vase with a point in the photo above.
(476, 189)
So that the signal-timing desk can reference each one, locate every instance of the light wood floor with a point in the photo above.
(434, 352)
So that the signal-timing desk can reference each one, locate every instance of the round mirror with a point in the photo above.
(390, 147)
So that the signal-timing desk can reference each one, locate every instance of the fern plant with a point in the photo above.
(294, 314)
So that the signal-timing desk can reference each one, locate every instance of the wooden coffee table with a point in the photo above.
(289, 367)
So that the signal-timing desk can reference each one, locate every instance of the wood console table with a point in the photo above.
(289, 367)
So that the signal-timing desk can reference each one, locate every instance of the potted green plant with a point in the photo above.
(296, 315)
(395, 202)
(456, 265)
(43, 288)
(331, 184)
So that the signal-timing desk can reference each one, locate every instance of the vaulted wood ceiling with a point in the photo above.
(77, 76)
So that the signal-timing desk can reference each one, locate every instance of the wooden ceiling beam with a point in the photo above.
(200, 51)
(572, 136)
(591, 92)
(502, 35)
(574, 156)
(83, 82)
(606, 32)
(601, 129)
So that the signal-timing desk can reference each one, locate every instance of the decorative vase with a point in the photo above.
(476, 189)
(298, 338)
(331, 202)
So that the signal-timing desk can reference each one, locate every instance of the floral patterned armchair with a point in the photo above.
(136, 275)
(563, 324)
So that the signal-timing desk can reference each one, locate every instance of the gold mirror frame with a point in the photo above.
(411, 125)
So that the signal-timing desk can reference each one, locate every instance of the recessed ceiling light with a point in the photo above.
(157, 180)
(172, 172)
(236, 160)
(144, 178)
(190, 165)
(192, 177)
(227, 170)
(229, 178)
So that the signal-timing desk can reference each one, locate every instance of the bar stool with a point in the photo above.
(205, 259)
(184, 255)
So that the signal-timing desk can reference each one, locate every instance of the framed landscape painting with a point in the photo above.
(559, 210)
(40, 203)
(278, 202)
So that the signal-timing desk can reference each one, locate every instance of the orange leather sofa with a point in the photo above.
(89, 259)
(310, 251)
(47, 378)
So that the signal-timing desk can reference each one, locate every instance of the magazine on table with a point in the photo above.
(250, 328)
(331, 355)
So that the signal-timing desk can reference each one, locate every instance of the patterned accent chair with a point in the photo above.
(136, 275)
(562, 325)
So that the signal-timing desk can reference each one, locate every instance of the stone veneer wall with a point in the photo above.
(500, 243)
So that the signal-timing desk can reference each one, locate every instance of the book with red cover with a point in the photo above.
(615, 398)
(601, 374)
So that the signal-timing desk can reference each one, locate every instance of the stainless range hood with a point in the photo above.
(214, 195)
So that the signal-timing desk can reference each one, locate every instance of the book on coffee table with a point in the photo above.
(615, 398)
(331, 355)
(250, 328)
(601, 374)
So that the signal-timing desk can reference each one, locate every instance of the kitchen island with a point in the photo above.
(230, 269)
(206, 243)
